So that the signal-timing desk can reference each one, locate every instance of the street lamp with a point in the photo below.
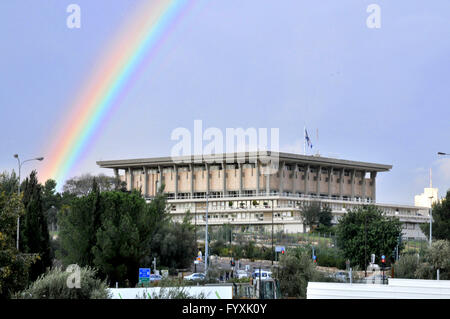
(18, 189)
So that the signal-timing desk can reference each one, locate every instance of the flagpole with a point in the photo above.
(304, 140)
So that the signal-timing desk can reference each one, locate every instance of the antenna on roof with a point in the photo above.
(431, 180)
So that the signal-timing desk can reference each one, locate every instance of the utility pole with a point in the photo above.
(431, 218)
(365, 245)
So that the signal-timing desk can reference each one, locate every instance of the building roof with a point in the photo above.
(248, 157)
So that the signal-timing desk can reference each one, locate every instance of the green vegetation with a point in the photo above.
(441, 220)
(118, 232)
(296, 269)
(34, 236)
(317, 215)
(424, 265)
(53, 285)
(366, 231)
(14, 266)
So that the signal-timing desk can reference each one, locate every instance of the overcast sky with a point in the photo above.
(376, 95)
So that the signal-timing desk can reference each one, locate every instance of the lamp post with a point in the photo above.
(18, 190)
(431, 217)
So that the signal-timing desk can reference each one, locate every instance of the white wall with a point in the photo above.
(396, 289)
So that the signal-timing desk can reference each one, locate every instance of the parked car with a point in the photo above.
(342, 276)
(241, 274)
(195, 276)
(154, 277)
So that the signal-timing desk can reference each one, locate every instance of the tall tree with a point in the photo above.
(174, 243)
(315, 214)
(52, 201)
(365, 231)
(122, 239)
(34, 229)
(9, 182)
(14, 266)
(441, 220)
(79, 222)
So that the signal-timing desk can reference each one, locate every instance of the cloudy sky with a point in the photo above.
(378, 95)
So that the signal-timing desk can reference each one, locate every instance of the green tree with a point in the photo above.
(310, 214)
(122, 239)
(82, 185)
(296, 269)
(314, 214)
(441, 220)
(439, 258)
(79, 222)
(14, 266)
(365, 231)
(52, 202)
(325, 216)
(9, 183)
(174, 244)
(34, 235)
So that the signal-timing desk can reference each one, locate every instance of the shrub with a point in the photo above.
(406, 266)
(53, 285)
(296, 270)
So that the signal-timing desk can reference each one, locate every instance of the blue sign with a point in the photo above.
(279, 249)
(144, 272)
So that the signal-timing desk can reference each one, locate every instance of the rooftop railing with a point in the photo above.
(171, 196)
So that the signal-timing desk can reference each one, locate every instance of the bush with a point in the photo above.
(406, 266)
(296, 270)
(53, 285)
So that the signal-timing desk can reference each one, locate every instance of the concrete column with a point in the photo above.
(373, 176)
(130, 179)
(363, 186)
(267, 179)
(207, 178)
(319, 175)
(224, 179)
(294, 180)
(330, 175)
(240, 179)
(160, 177)
(116, 176)
(145, 181)
(257, 177)
(281, 170)
(353, 184)
(175, 168)
(191, 166)
(306, 178)
(341, 184)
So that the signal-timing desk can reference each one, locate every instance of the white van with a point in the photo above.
(264, 274)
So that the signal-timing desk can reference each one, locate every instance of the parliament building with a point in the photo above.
(261, 189)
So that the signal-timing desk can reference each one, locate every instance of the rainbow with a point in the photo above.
(108, 83)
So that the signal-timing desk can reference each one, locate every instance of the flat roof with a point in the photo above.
(247, 157)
